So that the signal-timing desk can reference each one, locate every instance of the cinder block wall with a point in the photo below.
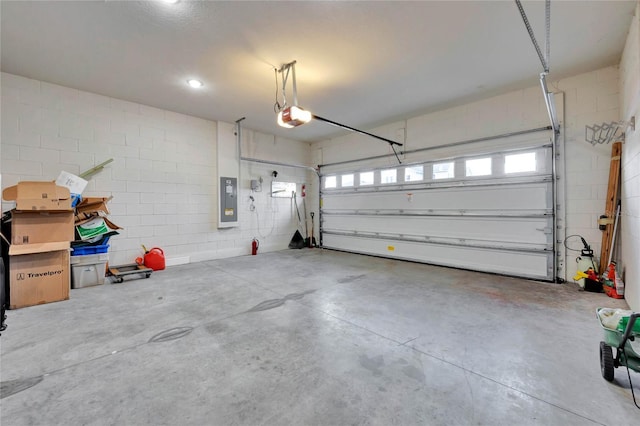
(630, 106)
(163, 178)
(590, 98)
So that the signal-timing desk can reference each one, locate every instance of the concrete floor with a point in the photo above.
(313, 337)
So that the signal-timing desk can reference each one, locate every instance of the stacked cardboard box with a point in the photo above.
(89, 256)
(41, 227)
(93, 228)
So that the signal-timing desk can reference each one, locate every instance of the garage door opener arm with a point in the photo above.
(391, 143)
(290, 116)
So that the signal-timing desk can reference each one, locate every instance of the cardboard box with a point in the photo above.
(92, 205)
(39, 273)
(94, 226)
(30, 195)
(28, 227)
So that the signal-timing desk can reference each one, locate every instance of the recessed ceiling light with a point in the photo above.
(171, 1)
(196, 84)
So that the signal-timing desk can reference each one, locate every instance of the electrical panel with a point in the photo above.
(228, 199)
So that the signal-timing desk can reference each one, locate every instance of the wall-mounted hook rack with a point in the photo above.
(608, 132)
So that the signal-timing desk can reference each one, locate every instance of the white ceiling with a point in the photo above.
(359, 63)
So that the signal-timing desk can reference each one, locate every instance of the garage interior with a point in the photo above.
(453, 164)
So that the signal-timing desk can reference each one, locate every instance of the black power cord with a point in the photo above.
(626, 363)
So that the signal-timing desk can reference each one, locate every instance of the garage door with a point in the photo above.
(490, 210)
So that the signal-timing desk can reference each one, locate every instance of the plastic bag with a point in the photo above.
(610, 318)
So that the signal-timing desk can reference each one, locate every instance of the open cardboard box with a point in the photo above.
(94, 226)
(38, 196)
(91, 205)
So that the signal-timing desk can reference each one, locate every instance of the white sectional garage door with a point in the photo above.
(488, 211)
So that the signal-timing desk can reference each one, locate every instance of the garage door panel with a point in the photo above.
(498, 222)
(503, 198)
(525, 231)
(510, 262)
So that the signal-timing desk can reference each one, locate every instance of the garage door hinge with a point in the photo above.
(545, 230)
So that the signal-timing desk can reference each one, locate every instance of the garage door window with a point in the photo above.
(414, 173)
(478, 167)
(443, 170)
(389, 176)
(330, 182)
(519, 163)
(347, 180)
(366, 178)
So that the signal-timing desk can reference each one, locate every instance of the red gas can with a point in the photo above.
(154, 259)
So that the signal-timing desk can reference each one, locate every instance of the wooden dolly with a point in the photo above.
(121, 271)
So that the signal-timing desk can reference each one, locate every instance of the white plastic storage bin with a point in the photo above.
(88, 270)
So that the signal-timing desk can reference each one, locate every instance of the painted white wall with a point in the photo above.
(266, 147)
(630, 217)
(163, 178)
(515, 111)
